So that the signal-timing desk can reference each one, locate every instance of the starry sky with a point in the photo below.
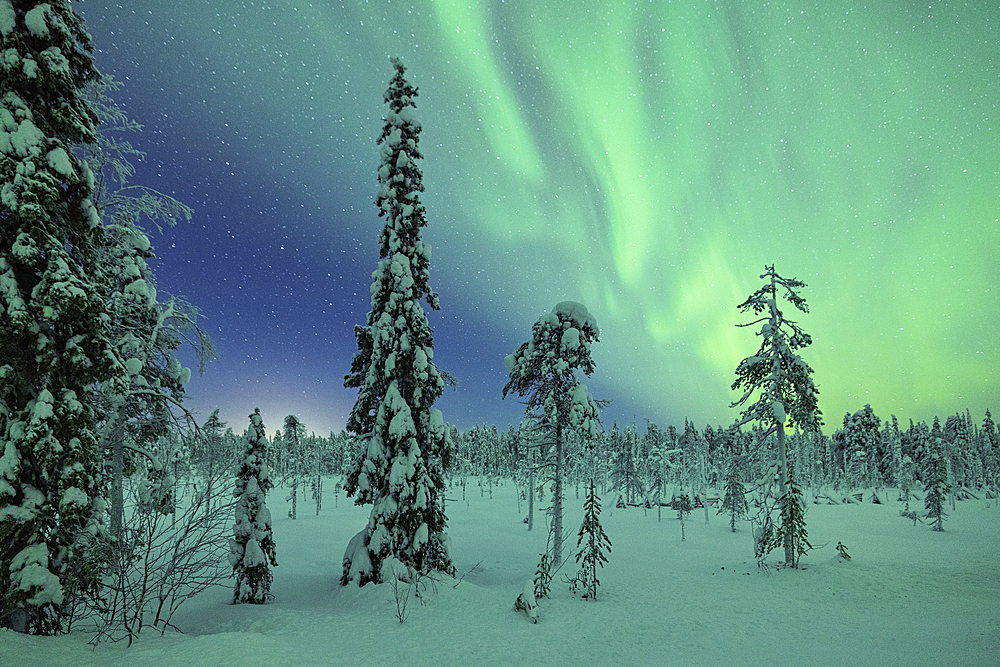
(646, 158)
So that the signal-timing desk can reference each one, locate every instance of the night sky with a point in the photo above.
(644, 158)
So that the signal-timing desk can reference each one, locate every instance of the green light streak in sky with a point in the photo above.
(648, 159)
(506, 133)
(690, 143)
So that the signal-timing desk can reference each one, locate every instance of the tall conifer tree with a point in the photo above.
(53, 343)
(787, 394)
(543, 372)
(400, 471)
(734, 502)
(295, 466)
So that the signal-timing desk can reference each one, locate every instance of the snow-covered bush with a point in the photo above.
(526, 601)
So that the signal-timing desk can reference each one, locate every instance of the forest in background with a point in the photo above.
(646, 464)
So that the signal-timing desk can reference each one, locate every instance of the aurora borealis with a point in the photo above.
(644, 158)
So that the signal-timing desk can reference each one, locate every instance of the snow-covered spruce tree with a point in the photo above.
(252, 551)
(991, 451)
(542, 371)
(317, 465)
(210, 453)
(734, 502)
(400, 471)
(657, 479)
(892, 445)
(958, 436)
(861, 440)
(53, 342)
(295, 459)
(936, 487)
(543, 577)
(787, 394)
(625, 475)
(593, 544)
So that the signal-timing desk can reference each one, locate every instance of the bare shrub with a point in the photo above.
(174, 546)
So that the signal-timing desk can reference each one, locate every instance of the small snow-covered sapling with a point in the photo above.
(683, 506)
(543, 577)
(842, 551)
(906, 512)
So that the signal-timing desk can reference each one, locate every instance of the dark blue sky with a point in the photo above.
(644, 160)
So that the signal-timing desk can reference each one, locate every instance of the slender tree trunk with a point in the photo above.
(318, 459)
(703, 464)
(531, 491)
(117, 476)
(783, 488)
(782, 455)
(557, 507)
(211, 476)
(319, 494)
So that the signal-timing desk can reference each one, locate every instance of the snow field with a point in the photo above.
(909, 596)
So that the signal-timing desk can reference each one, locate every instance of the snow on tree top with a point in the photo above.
(436, 420)
(41, 407)
(55, 60)
(579, 314)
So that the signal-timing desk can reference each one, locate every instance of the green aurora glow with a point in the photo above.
(648, 158)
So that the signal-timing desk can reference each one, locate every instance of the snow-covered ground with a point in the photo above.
(908, 596)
